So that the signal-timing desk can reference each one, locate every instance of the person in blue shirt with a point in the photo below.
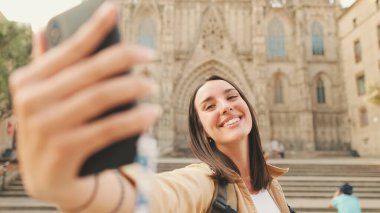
(344, 201)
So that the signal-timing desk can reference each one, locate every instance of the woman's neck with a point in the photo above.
(238, 152)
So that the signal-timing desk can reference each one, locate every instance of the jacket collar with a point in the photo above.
(276, 171)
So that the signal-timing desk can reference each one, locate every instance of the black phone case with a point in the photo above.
(60, 28)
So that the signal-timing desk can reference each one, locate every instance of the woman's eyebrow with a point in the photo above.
(229, 90)
(210, 98)
(206, 100)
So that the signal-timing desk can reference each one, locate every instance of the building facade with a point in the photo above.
(359, 32)
(283, 54)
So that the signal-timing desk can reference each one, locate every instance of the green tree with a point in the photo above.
(15, 49)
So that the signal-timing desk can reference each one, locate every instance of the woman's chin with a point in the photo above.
(235, 138)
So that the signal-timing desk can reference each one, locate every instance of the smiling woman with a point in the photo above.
(36, 12)
(225, 135)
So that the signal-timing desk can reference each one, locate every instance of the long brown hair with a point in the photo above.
(224, 168)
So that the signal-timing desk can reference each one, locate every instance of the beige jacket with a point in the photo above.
(191, 190)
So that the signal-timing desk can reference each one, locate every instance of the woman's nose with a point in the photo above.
(225, 107)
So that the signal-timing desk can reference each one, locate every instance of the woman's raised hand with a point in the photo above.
(57, 94)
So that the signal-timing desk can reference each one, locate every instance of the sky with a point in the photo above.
(35, 12)
(38, 12)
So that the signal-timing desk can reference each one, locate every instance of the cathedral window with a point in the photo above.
(213, 35)
(363, 116)
(278, 3)
(147, 33)
(378, 35)
(357, 51)
(360, 83)
(317, 39)
(278, 91)
(276, 39)
(321, 95)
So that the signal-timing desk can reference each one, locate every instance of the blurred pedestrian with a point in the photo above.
(344, 201)
(277, 148)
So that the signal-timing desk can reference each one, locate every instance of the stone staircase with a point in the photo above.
(308, 186)
(14, 200)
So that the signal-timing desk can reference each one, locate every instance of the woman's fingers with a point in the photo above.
(39, 46)
(93, 101)
(101, 133)
(110, 62)
(81, 44)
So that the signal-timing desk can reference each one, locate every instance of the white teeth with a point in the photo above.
(232, 121)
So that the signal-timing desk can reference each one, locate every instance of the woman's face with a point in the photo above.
(223, 113)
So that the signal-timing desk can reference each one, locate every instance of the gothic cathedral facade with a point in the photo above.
(283, 54)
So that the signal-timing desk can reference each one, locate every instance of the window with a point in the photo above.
(276, 39)
(213, 35)
(360, 83)
(363, 117)
(354, 22)
(147, 33)
(278, 91)
(357, 51)
(378, 35)
(317, 39)
(278, 3)
(321, 96)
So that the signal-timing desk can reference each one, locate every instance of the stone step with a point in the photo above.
(305, 167)
(320, 205)
(12, 187)
(10, 204)
(28, 209)
(361, 183)
(326, 210)
(336, 185)
(16, 182)
(12, 194)
(33, 211)
(327, 179)
(293, 194)
(327, 189)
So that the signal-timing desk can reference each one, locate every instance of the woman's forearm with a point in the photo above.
(113, 193)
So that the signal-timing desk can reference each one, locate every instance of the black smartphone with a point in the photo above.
(62, 27)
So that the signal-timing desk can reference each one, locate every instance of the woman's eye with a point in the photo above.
(209, 107)
(232, 97)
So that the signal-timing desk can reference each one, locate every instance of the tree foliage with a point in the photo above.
(15, 49)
